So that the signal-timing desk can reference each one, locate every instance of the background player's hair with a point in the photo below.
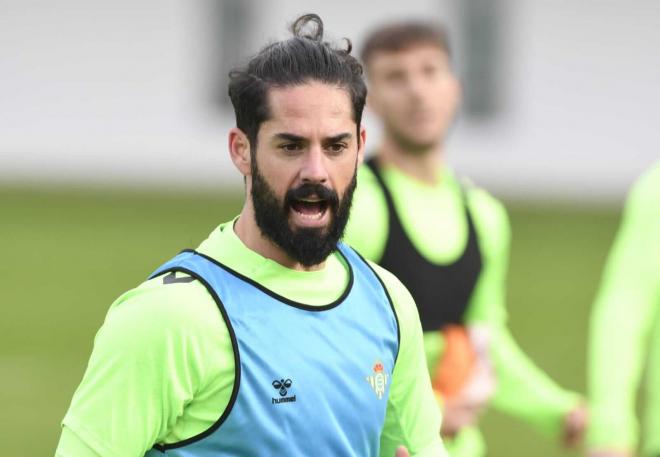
(302, 58)
(403, 35)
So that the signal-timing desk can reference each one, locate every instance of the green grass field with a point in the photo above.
(67, 254)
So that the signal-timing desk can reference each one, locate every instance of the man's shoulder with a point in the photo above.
(488, 212)
(367, 227)
(389, 280)
(401, 298)
(367, 181)
(481, 201)
(168, 302)
(647, 187)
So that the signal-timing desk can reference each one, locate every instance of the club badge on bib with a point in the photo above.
(378, 379)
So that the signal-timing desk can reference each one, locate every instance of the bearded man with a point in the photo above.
(271, 338)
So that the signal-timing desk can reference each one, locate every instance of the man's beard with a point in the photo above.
(309, 246)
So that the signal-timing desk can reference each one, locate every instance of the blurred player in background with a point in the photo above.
(271, 338)
(625, 332)
(448, 242)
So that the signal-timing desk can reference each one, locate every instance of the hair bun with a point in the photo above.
(302, 29)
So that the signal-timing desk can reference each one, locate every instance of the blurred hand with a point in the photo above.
(575, 423)
(458, 413)
(604, 453)
(464, 408)
(401, 451)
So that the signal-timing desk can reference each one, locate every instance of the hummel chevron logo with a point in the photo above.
(282, 386)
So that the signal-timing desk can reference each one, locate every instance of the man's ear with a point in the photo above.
(239, 150)
(363, 139)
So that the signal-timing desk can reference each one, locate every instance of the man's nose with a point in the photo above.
(417, 88)
(314, 166)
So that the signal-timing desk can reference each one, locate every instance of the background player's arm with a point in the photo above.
(623, 311)
(523, 390)
(412, 419)
(146, 365)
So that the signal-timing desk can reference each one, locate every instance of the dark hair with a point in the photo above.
(302, 58)
(403, 35)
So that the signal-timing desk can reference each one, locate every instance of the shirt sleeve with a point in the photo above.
(523, 390)
(369, 209)
(620, 322)
(148, 361)
(413, 417)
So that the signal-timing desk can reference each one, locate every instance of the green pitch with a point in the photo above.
(67, 254)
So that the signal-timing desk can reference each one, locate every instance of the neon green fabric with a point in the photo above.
(426, 211)
(468, 443)
(162, 367)
(625, 328)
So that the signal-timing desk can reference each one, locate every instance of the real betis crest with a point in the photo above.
(378, 379)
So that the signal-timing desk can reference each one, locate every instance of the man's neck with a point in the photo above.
(425, 166)
(249, 233)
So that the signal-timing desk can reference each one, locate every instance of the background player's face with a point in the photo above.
(415, 94)
(304, 170)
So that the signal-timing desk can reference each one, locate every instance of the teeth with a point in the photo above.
(311, 217)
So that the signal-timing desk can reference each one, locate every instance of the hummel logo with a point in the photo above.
(282, 385)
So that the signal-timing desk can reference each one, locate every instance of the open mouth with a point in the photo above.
(310, 208)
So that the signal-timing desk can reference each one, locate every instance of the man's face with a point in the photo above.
(304, 171)
(415, 94)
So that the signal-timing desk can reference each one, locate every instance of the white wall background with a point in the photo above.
(98, 92)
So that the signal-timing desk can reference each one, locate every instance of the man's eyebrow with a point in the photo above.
(340, 137)
(300, 139)
(289, 137)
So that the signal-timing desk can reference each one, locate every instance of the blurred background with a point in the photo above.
(113, 122)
